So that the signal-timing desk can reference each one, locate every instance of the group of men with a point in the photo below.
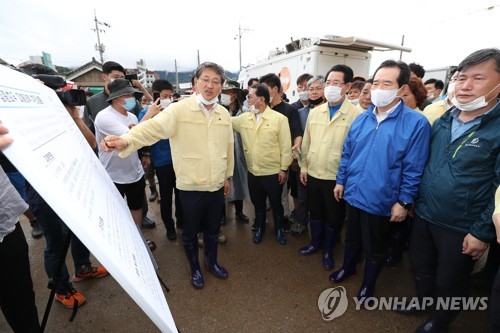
(372, 169)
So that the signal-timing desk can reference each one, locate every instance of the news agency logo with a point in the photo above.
(439, 303)
(333, 303)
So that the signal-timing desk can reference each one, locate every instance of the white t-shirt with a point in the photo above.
(121, 170)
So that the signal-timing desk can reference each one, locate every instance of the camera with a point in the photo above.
(131, 77)
(71, 97)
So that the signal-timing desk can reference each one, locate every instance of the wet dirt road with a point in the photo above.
(270, 289)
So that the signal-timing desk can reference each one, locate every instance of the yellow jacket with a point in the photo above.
(435, 110)
(324, 138)
(266, 144)
(202, 148)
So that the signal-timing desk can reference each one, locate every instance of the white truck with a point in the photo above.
(316, 56)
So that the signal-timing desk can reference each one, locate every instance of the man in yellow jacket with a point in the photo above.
(326, 129)
(266, 144)
(201, 139)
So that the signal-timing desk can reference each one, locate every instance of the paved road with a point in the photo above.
(270, 289)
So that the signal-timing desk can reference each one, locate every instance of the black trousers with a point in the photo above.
(261, 187)
(302, 211)
(322, 204)
(436, 252)
(17, 298)
(367, 231)
(201, 212)
(166, 182)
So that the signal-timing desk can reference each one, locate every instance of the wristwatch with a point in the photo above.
(406, 205)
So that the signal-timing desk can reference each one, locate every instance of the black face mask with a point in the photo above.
(317, 101)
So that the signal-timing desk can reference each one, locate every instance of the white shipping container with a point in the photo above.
(316, 57)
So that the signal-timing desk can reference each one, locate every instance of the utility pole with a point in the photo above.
(198, 57)
(176, 77)
(99, 47)
(401, 52)
(239, 40)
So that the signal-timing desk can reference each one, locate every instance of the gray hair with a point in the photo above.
(213, 66)
(479, 57)
(317, 78)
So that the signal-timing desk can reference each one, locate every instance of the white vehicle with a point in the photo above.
(442, 73)
(316, 56)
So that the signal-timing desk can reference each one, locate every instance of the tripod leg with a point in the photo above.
(53, 284)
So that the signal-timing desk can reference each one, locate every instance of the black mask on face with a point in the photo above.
(317, 101)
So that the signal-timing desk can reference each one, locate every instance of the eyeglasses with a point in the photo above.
(334, 83)
(207, 81)
(311, 89)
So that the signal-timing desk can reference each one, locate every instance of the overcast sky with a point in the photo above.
(441, 33)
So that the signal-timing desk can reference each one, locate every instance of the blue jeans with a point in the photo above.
(55, 232)
(19, 182)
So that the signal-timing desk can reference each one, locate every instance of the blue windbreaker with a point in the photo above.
(383, 163)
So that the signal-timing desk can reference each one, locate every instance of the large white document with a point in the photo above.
(50, 151)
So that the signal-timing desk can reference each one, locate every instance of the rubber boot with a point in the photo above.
(372, 270)
(348, 268)
(317, 227)
(278, 229)
(438, 322)
(211, 243)
(191, 248)
(329, 236)
(260, 221)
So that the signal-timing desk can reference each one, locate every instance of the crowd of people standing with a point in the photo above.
(383, 163)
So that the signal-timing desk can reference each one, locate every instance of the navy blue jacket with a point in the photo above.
(458, 186)
(383, 163)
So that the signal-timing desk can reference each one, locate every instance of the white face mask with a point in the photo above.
(451, 88)
(354, 101)
(144, 106)
(333, 94)
(382, 98)
(252, 108)
(430, 96)
(225, 99)
(165, 102)
(202, 99)
(478, 103)
(303, 95)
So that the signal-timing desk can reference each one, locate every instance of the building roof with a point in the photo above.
(94, 64)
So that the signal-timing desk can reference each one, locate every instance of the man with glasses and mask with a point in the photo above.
(302, 91)
(266, 143)
(202, 143)
(453, 212)
(326, 129)
(382, 163)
